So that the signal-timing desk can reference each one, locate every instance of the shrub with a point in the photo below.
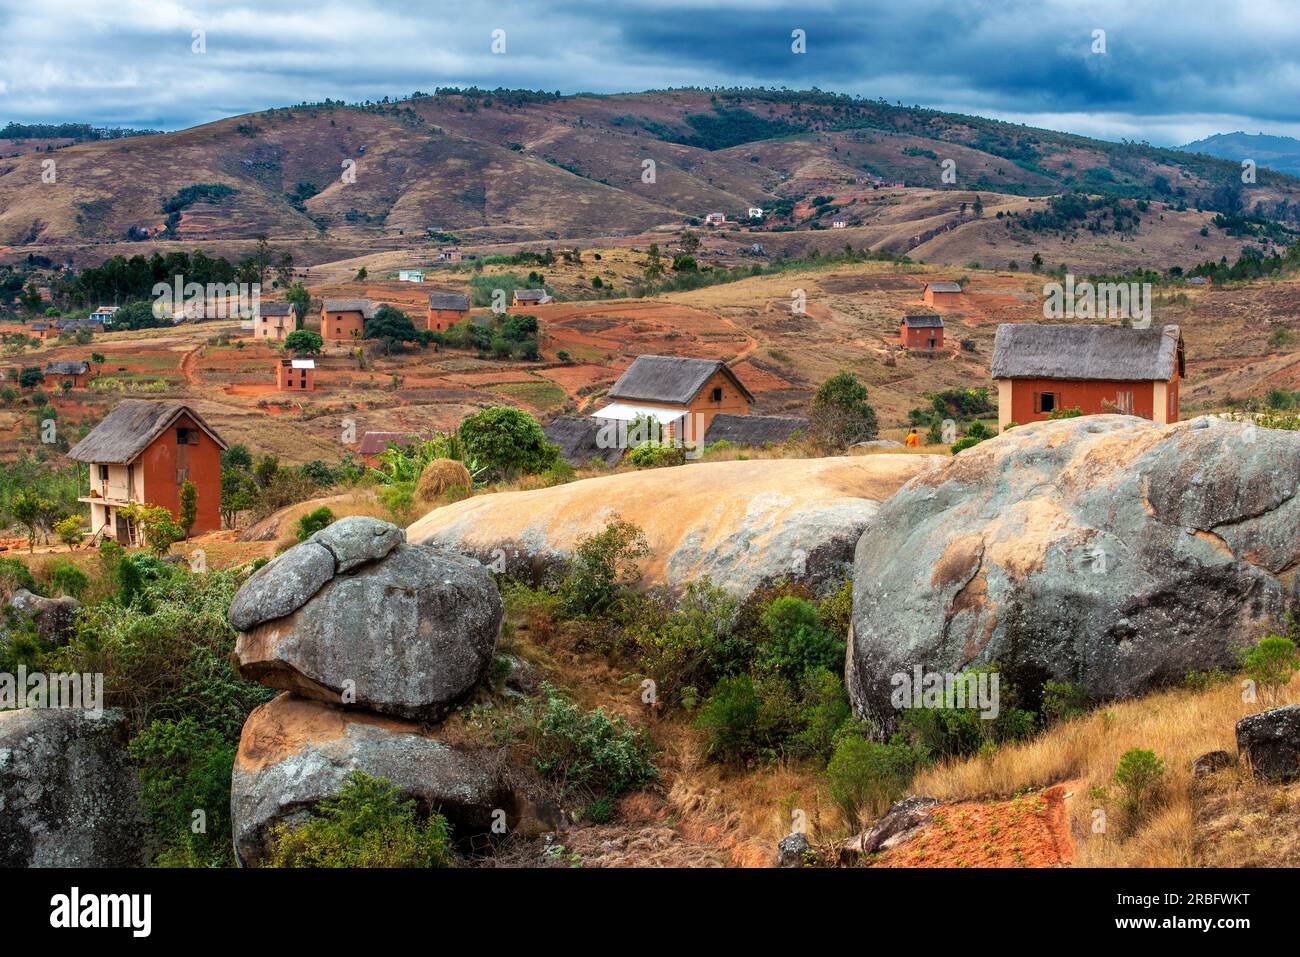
(825, 710)
(69, 530)
(654, 456)
(507, 441)
(690, 643)
(367, 825)
(868, 775)
(186, 768)
(748, 718)
(841, 414)
(796, 639)
(67, 579)
(589, 754)
(1270, 663)
(311, 523)
(1139, 773)
(603, 565)
(15, 574)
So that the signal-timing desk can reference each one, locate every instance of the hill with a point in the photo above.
(1281, 153)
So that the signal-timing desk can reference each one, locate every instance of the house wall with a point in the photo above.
(733, 401)
(932, 298)
(920, 338)
(272, 328)
(341, 326)
(159, 464)
(1087, 395)
(440, 320)
(289, 379)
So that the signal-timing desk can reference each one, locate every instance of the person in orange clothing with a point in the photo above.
(913, 439)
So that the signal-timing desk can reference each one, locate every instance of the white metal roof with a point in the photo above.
(304, 363)
(627, 411)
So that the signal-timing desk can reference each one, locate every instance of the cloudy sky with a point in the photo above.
(1171, 71)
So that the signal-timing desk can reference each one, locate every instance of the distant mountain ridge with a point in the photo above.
(1281, 153)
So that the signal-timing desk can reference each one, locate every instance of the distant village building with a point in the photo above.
(74, 374)
(668, 388)
(942, 293)
(344, 320)
(295, 375)
(141, 453)
(449, 255)
(838, 224)
(43, 330)
(1096, 368)
(531, 297)
(715, 219)
(373, 443)
(921, 332)
(446, 309)
(104, 314)
(1200, 281)
(274, 321)
(410, 275)
(755, 212)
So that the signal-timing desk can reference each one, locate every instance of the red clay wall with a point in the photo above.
(160, 462)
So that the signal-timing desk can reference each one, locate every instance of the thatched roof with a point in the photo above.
(753, 430)
(275, 309)
(943, 285)
(363, 306)
(532, 295)
(671, 379)
(1075, 352)
(67, 368)
(131, 428)
(449, 300)
(576, 437)
(923, 322)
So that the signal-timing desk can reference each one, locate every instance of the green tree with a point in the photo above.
(507, 441)
(189, 506)
(304, 342)
(298, 296)
(654, 264)
(1270, 663)
(841, 414)
(29, 510)
(391, 325)
(1139, 773)
(69, 530)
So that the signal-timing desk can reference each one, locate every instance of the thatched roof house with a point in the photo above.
(132, 427)
(671, 380)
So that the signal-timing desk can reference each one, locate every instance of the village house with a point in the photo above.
(373, 443)
(104, 314)
(1040, 369)
(531, 297)
(942, 293)
(838, 224)
(410, 275)
(449, 255)
(43, 330)
(69, 375)
(921, 332)
(295, 375)
(755, 212)
(715, 219)
(446, 309)
(141, 453)
(344, 320)
(274, 321)
(668, 388)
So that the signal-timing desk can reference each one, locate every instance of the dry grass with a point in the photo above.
(1179, 725)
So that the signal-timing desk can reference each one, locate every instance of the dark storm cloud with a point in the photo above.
(1171, 72)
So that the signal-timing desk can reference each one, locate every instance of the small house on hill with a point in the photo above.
(70, 375)
(373, 443)
(344, 320)
(921, 332)
(410, 275)
(295, 375)
(1042, 368)
(668, 388)
(531, 297)
(579, 440)
(943, 293)
(43, 330)
(274, 321)
(446, 309)
(754, 431)
(103, 315)
(141, 453)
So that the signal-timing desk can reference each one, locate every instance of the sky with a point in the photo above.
(1159, 71)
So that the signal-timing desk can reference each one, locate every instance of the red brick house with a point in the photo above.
(344, 320)
(295, 375)
(76, 374)
(446, 309)
(1097, 368)
(942, 293)
(141, 453)
(921, 332)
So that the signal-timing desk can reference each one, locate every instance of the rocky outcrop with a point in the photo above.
(742, 523)
(295, 753)
(1271, 740)
(792, 850)
(409, 635)
(900, 823)
(55, 618)
(68, 795)
(1103, 550)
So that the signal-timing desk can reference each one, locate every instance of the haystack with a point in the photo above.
(439, 476)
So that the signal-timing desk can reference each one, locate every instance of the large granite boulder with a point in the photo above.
(69, 796)
(295, 753)
(1271, 739)
(1103, 550)
(743, 523)
(409, 634)
(55, 618)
